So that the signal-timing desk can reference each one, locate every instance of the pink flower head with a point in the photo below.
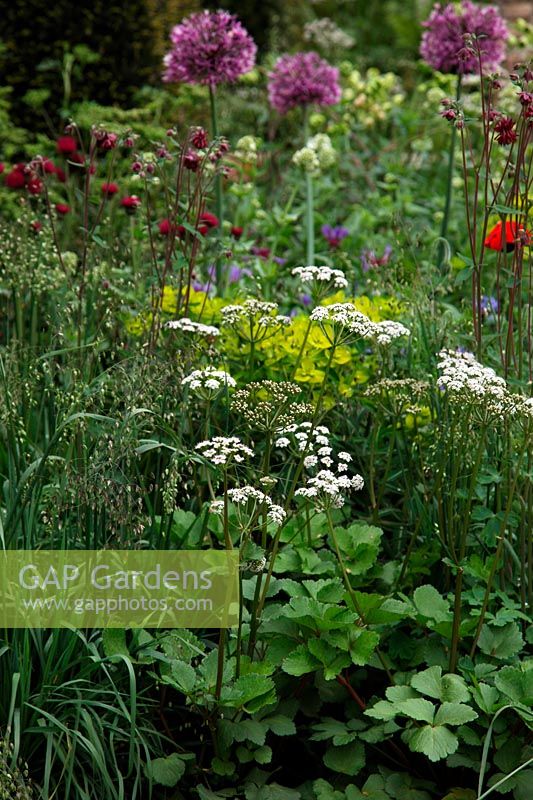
(210, 47)
(109, 189)
(443, 44)
(303, 79)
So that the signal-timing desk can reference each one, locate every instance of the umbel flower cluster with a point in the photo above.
(208, 382)
(254, 319)
(317, 156)
(303, 79)
(222, 450)
(444, 46)
(270, 405)
(327, 482)
(187, 325)
(321, 280)
(211, 47)
(255, 500)
(342, 322)
(464, 378)
(469, 383)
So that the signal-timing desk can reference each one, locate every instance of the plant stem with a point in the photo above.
(219, 198)
(309, 204)
(449, 186)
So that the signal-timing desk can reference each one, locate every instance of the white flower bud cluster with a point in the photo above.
(254, 319)
(321, 275)
(317, 156)
(208, 382)
(190, 326)
(221, 450)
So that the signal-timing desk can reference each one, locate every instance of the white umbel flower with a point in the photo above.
(221, 450)
(190, 326)
(208, 382)
(321, 276)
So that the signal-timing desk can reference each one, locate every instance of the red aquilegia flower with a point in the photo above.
(131, 203)
(513, 234)
(66, 145)
(443, 45)
(211, 47)
(505, 130)
(109, 189)
(62, 209)
(301, 80)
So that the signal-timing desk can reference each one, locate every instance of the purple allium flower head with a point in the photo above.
(334, 235)
(443, 45)
(210, 47)
(302, 79)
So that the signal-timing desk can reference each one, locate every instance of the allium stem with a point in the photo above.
(309, 202)
(219, 197)
(449, 185)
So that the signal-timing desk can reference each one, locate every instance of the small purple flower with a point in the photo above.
(280, 261)
(302, 79)
(236, 273)
(369, 259)
(210, 47)
(334, 235)
(489, 307)
(305, 299)
(443, 44)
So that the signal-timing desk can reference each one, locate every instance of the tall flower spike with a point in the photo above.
(210, 47)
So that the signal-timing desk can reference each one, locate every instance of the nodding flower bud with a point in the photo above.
(526, 98)
(105, 140)
(446, 101)
(136, 166)
(129, 141)
(199, 138)
(528, 75)
(514, 77)
(171, 132)
(191, 160)
(162, 152)
(150, 168)
(449, 114)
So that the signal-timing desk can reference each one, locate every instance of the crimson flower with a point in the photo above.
(237, 232)
(62, 209)
(66, 145)
(130, 203)
(513, 233)
(37, 226)
(209, 220)
(35, 185)
(505, 131)
(16, 178)
(109, 189)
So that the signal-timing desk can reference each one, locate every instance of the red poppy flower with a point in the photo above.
(131, 203)
(512, 233)
(109, 189)
(16, 179)
(62, 209)
(66, 145)
(209, 220)
(237, 232)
